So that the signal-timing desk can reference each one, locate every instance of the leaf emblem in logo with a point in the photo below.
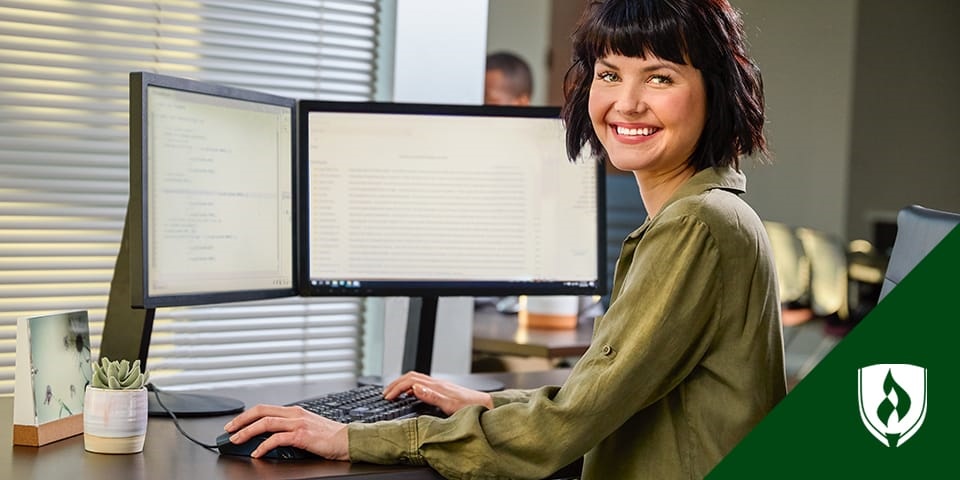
(887, 407)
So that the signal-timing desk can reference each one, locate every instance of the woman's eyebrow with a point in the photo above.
(607, 64)
(645, 69)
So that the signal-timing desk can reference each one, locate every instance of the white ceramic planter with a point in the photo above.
(114, 421)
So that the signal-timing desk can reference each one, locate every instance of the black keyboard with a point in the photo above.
(365, 404)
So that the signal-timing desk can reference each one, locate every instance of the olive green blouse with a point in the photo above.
(686, 360)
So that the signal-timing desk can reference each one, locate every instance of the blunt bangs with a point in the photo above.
(637, 29)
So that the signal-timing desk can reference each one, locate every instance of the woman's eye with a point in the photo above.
(608, 76)
(660, 80)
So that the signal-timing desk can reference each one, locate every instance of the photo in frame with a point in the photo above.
(52, 372)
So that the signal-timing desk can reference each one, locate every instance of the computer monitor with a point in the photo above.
(211, 179)
(211, 211)
(427, 200)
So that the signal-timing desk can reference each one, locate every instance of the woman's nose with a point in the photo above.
(630, 101)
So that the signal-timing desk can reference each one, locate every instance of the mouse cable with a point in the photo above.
(176, 422)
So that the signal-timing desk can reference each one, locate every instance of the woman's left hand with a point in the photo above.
(447, 396)
(290, 426)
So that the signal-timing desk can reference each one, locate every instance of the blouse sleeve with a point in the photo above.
(509, 396)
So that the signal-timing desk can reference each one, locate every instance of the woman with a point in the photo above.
(689, 356)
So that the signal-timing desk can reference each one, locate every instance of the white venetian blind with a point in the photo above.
(64, 69)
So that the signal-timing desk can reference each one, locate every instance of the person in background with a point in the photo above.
(688, 357)
(508, 80)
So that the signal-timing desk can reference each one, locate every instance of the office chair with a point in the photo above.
(829, 291)
(793, 273)
(813, 281)
(919, 230)
(828, 273)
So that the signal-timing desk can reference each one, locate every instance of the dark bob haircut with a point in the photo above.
(707, 34)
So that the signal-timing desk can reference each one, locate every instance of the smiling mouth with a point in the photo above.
(637, 132)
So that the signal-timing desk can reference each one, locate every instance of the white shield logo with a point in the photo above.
(893, 401)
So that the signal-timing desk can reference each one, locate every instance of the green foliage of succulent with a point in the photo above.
(118, 375)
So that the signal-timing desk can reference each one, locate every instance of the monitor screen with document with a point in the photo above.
(212, 193)
(442, 200)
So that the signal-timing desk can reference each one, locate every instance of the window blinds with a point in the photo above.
(64, 69)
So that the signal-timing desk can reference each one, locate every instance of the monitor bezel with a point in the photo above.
(435, 288)
(139, 204)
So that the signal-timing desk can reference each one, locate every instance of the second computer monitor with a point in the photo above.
(441, 200)
(211, 204)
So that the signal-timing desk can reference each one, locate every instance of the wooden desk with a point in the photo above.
(168, 455)
(505, 334)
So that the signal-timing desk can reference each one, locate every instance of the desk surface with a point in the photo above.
(168, 455)
(506, 334)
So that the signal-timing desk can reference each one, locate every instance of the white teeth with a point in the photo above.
(646, 131)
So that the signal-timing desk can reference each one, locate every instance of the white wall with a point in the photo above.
(439, 51)
(806, 52)
(904, 141)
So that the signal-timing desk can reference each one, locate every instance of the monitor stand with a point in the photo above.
(418, 348)
(181, 404)
(126, 335)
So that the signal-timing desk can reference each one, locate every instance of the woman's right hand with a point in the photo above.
(448, 397)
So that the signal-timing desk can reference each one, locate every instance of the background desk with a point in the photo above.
(504, 334)
(168, 455)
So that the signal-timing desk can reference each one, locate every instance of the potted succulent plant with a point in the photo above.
(115, 407)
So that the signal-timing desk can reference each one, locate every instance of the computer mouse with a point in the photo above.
(244, 449)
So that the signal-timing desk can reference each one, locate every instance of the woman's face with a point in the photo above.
(647, 113)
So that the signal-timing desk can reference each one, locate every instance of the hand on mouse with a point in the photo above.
(290, 426)
(447, 396)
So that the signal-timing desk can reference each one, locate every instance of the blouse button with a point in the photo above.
(607, 350)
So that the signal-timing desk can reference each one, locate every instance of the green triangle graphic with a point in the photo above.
(816, 431)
